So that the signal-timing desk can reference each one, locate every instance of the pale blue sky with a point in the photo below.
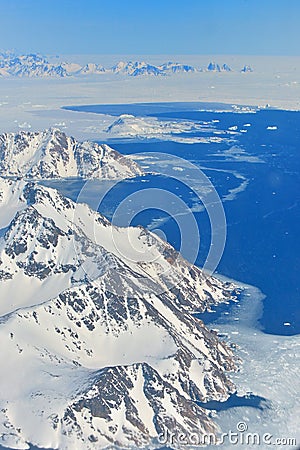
(151, 26)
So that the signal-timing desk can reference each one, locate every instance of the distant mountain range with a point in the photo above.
(34, 65)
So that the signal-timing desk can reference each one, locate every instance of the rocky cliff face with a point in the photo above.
(99, 343)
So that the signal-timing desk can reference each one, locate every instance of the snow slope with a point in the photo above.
(100, 344)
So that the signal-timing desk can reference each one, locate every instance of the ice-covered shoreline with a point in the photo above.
(261, 372)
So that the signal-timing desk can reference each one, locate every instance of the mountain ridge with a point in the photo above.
(52, 154)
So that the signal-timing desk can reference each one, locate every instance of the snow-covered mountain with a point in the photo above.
(142, 68)
(226, 68)
(247, 69)
(99, 344)
(38, 66)
(214, 67)
(135, 69)
(171, 67)
(127, 125)
(52, 154)
(91, 69)
(33, 65)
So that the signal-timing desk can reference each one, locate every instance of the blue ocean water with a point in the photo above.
(263, 243)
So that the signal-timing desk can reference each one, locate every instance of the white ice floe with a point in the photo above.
(236, 153)
(269, 368)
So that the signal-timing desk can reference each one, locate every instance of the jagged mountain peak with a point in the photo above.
(247, 68)
(213, 67)
(135, 68)
(226, 68)
(53, 154)
(175, 67)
